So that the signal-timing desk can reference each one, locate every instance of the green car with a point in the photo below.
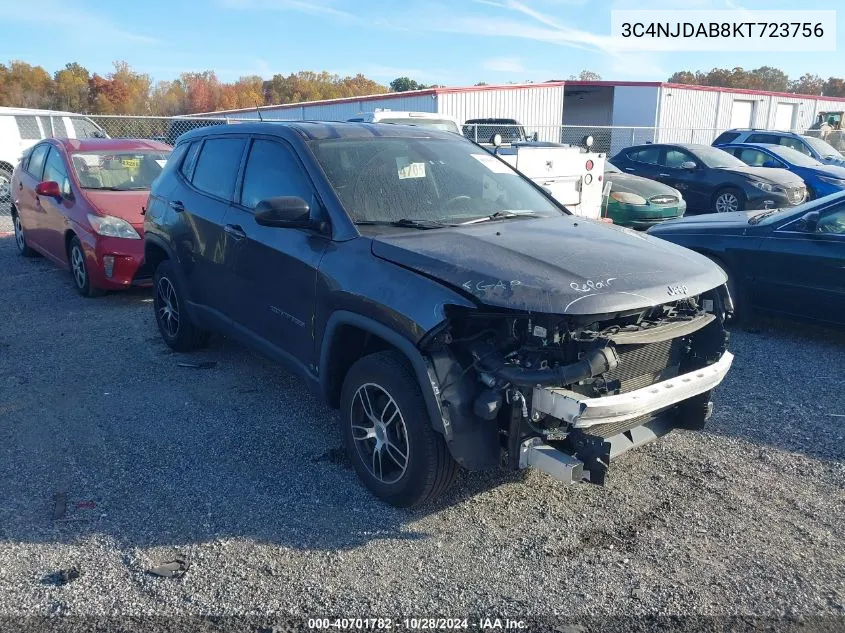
(639, 203)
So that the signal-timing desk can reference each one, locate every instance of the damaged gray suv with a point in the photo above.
(451, 310)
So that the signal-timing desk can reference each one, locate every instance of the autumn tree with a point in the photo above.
(70, 86)
(585, 75)
(404, 84)
(25, 86)
(834, 87)
(808, 84)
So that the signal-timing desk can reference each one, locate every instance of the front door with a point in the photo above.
(273, 271)
(690, 182)
(54, 211)
(802, 272)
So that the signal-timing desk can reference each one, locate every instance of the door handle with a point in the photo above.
(20, 186)
(630, 169)
(666, 175)
(235, 231)
(177, 206)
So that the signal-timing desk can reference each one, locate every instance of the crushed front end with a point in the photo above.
(569, 393)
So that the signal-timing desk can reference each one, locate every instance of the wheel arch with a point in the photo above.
(349, 336)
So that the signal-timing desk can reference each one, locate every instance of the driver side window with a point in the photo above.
(675, 158)
(832, 222)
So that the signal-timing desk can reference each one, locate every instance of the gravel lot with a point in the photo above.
(238, 468)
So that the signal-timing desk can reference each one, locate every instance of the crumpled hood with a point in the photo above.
(561, 265)
(126, 205)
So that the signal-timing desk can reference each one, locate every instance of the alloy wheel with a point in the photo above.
(379, 432)
(167, 306)
(19, 238)
(727, 202)
(77, 263)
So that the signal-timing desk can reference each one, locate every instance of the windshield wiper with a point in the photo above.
(501, 215)
(755, 219)
(414, 224)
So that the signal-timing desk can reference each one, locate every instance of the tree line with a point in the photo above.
(126, 91)
(763, 78)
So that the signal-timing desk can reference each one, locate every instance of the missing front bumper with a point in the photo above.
(583, 413)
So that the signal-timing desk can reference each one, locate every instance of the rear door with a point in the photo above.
(803, 273)
(273, 271)
(211, 166)
(27, 203)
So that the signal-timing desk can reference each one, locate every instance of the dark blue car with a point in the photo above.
(821, 180)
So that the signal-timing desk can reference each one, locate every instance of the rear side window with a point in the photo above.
(59, 127)
(36, 160)
(272, 169)
(726, 137)
(795, 144)
(28, 127)
(648, 155)
(217, 166)
(674, 158)
(190, 161)
(764, 138)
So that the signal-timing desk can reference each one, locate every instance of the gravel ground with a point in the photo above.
(238, 468)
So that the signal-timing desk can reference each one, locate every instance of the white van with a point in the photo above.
(424, 119)
(21, 128)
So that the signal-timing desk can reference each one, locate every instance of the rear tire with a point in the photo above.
(79, 270)
(20, 238)
(388, 434)
(728, 200)
(174, 324)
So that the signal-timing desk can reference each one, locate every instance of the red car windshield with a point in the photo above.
(125, 170)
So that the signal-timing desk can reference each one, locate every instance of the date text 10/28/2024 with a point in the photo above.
(417, 624)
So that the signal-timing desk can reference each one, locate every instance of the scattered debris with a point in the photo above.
(62, 577)
(60, 505)
(206, 364)
(336, 456)
(172, 569)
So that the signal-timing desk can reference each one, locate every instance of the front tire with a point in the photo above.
(694, 413)
(388, 434)
(79, 270)
(728, 200)
(174, 324)
(20, 238)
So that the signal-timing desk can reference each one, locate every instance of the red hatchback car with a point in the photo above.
(80, 203)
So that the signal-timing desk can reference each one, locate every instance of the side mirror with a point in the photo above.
(48, 188)
(810, 221)
(688, 165)
(284, 212)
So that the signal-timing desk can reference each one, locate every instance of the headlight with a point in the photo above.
(627, 198)
(836, 182)
(110, 226)
(768, 187)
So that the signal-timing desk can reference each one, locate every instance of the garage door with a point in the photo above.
(785, 116)
(742, 113)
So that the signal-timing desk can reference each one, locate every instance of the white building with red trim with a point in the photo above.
(647, 110)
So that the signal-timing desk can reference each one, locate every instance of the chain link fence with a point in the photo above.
(607, 139)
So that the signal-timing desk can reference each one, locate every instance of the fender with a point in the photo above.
(193, 310)
(421, 366)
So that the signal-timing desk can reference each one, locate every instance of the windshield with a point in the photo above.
(716, 158)
(126, 170)
(794, 156)
(438, 124)
(387, 179)
(825, 149)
